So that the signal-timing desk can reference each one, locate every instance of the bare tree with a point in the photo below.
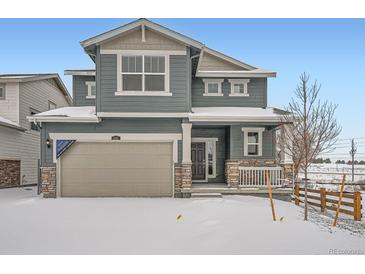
(314, 129)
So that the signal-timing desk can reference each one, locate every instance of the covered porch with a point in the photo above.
(233, 157)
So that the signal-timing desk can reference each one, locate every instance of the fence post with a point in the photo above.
(323, 199)
(296, 194)
(357, 206)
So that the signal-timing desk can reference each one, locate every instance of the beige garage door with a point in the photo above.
(117, 169)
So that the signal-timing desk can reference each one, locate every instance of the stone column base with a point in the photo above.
(178, 181)
(48, 178)
(186, 175)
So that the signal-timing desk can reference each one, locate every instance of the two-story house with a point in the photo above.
(22, 95)
(161, 115)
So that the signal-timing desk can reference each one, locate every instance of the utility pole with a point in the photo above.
(352, 153)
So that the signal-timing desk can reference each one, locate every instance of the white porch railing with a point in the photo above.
(256, 176)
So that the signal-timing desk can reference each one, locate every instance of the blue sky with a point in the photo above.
(330, 50)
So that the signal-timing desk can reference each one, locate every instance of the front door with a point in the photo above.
(198, 161)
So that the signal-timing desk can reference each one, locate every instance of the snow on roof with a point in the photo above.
(7, 123)
(88, 111)
(66, 114)
(241, 114)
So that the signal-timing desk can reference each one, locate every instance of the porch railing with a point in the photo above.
(256, 176)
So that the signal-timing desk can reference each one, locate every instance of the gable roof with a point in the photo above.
(139, 23)
(90, 44)
(21, 78)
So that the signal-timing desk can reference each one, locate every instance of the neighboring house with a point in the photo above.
(22, 95)
(161, 115)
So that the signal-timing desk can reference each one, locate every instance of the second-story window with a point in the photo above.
(213, 87)
(2, 91)
(239, 87)
(144, 75)
(91, 90)
(51, 105)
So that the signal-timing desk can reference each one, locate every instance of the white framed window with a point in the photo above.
(51, 105)
(239, 87)
(91, 89)
(143, 74)
(252, 141)
(213, 87)
(2, 91)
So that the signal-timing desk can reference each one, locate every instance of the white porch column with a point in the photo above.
(186, 135)
(285, 144)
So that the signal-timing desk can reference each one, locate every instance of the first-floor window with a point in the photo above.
(144, 73)
(252, 141)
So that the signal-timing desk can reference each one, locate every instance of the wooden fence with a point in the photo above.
(328, 200)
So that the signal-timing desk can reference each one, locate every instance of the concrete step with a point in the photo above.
(206, 195)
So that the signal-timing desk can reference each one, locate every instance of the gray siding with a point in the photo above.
(257, 88)
(128, 125)
(237, 146)
(179, 86)
(220, 149)
(25, 146)
(80, 91)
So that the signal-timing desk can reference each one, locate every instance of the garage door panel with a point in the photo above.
(102, 176)
(95, 161)
(117, 148)
(117, 169)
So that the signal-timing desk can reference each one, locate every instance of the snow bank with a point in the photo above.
(232, 225)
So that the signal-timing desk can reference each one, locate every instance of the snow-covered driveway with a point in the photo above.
(232, 225)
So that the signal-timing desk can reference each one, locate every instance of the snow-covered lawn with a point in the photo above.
(231, 225)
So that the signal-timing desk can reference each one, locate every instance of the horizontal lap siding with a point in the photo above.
(33, 95)
(80, 91)
(178, 102)
(237, 146)
(256, 89)
(127, 125)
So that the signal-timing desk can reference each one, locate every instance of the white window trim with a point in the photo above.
(245, 131)
(120, 72)
(206, 140)
(239, 81)
(89, 84)
(51, 103)
(213, 81)
(3, 97)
